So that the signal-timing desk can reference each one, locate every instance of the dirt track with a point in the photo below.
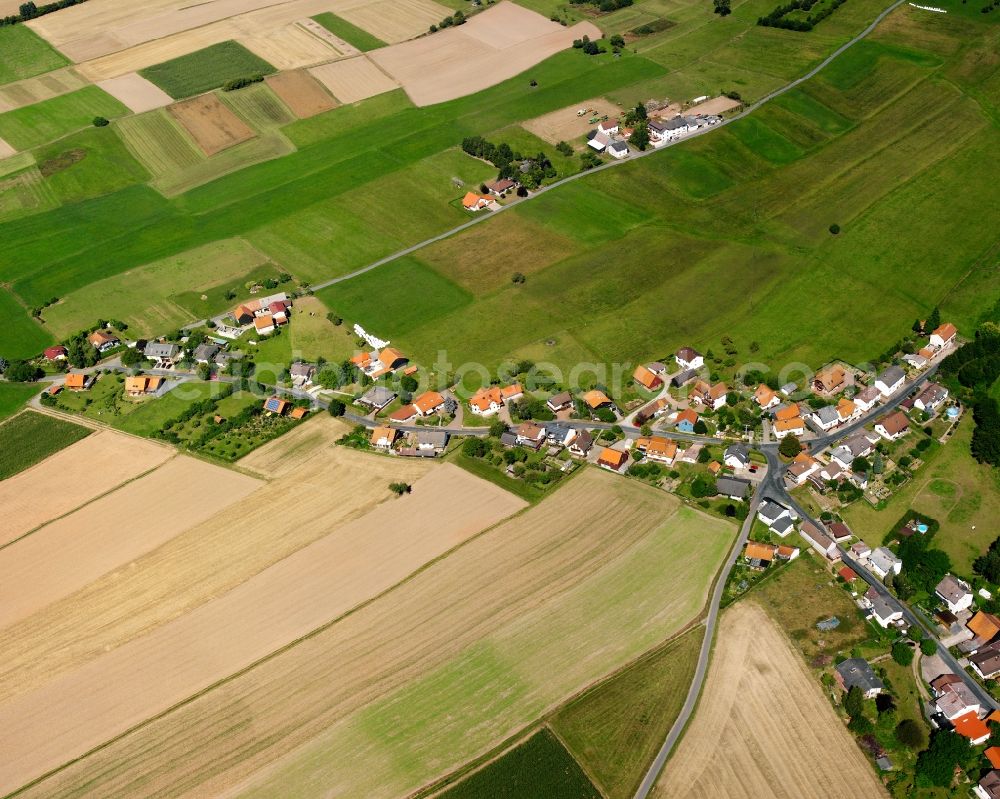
(763, 727)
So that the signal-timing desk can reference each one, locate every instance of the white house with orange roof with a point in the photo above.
(489, 400)
(428, 403)
(943, 336)
(765, 397)
(476, 202)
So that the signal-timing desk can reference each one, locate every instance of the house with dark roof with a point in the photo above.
(376, 398)
(560, 402)
(931, 398)
(205, 352)
(857, 673)
(302, 373)
(581, 444)
(989, 786)
(986, 661)
(890, 381)
(955, 593)
(893, 427)
(732, 487)
(688, 358)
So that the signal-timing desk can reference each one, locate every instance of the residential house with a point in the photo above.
(500, 187)
(657, 368)
(890, 381)
(989, 786)
(984, 627)
(598, 141)
(893, 427)
(802, 467)
(819, 541)
(490, 400)
(847, 411)
(916, 359)
(654, 409)
(789, 427)
(688, 358)
(717, 396)
(581, 444)
(647, 379)
(302, 374)
(663, 130)
(476, 202)
(595, 399)
(206, 352)
(686, 420)
(608, 127)
(376, 398)
(847, 574)
(558, 434)
(531, 435)
(765, 397)
(298, 413)
(931, 398)
(867, 398)
(403, 415)
(788, 553)
(103, 341)
(428, 403)
(992, 754)
(860, 551)
(843, 456)
(376, 364)
(560, 402)
(78, 382)
(839, 531)
(884, 562)
(737, 456)
(769, 512)
(264, 324)
(435, 440)
(617, 149)
(732, 487)
(661, 450)
(955, 593)
(858, 673)
(714, 468)
(986, 661)
(140, 385)
(882, 612)
(830, 380)
(276, 405)
(970, 726)
(759, 555)
(954, 698)
(832, 471)
(384, 437)
(56, 353)
(163, 353)
(244, 314)
(826, 418)
(279, 311)
(613, 459)
(788, 389)
(943, 336)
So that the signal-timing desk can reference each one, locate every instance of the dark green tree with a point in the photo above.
(790, 446)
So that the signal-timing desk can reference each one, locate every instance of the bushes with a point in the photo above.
(910, 734)
(100, 122)
(902, 653)
(31, 11)
(240, 83)
(777, 17)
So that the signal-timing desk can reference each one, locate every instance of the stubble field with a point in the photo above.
(301, 93)
(212, 125)
(763, 726)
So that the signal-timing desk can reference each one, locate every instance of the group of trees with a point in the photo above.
(604, 5)
(988, 564)
(458, 18)
(923, 566)
(976, 367)
(240, 83)
(509, 163)
(778, 18)
(589, 46)
(723, 7)
(31, 11)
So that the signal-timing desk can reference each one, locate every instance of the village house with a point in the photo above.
(377, 397)
(500, 187)
(893, 427)
(882, 613)
(476, 202)
(661, 450)
(663, 130)
(384, 437)
(737, 456)
(733, 487)
(558, 435)
(989, 786)
(205, 352)
(164, 354)
(802, 467)
(860, 551)
(243, 314)
(276, 406)
(298, 413)
(581, 444)
(847, 411)
(102, 340)
(302, 374)
(984, 628)
(686, 420)
(713, 397)
(683, 377)
(867, 398)
(779, 519)
(931, 398)
(758, 555)
(428, 403)
(646, 378)
(884, 562)
(830, 380)
(955, 593)
(765, 397)
(953, 697)
(595, 399)
(264, 324)
(839, 531)
(562, 401)
(531, 435)
(916, 359)
(986, 661)
(56, 353)
(140, 385)
(598, 141)
(789, 427)
(487, 401)
(609, 127)
(432, 440)
(943, 336)
(688, 358)
(826, 418)
(858, 673)
(407, 413)
(376, 364)
(819, 541)
(617, 149)
(78, 382)
(787, 552)
(890, 381)
(612, 459)
(970, 726)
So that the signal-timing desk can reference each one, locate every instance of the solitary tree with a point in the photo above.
(928, 646)
(835, 228)
(336, 407)
(790, 446)
(902, 653)
(910, 733)
(400, 488)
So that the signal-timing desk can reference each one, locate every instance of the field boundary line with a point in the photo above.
(611, 164)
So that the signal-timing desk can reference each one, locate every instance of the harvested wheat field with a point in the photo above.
(566, 125)
(295, 45)
(6, 150)
(319, 487)
(76, 475)
(43, 87)
(439, 669)
(303, 95)
(136, 93)
(104, 697)
(354, 79)
(763, 726)
(391, 21)
(491, 47)
(111, 532)
(212, 125)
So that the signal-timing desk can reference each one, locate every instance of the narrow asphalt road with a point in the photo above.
(703, 657)
(482, 217)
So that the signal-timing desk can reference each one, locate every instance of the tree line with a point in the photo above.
(778, 16)
(31, 11)
(975, 368)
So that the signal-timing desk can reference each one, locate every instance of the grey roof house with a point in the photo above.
(856, 672)
(732, 487)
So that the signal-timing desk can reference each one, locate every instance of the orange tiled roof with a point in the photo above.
(428, 401)
(612, 457)
(687, 415)
(945, 331)
(403, 414)
(75, 381)
(664, 447)
(595, 398)
(788, 412)
(794, 423)
(757, 550)
(970, 726)
(764, 395)
(646, 378)
(984, 625)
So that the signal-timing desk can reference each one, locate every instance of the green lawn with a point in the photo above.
(24, 54)
(31, 437)
(616, 727)
(13, 396)
(351, 34)
(206, 69)
(43, 122)
(23, 336)
(539, 768)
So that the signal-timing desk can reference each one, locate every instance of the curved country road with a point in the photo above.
(610, 164)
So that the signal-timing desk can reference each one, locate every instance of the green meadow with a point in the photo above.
(43, 122)
(24, 54)
(206, 69)
(351, 34)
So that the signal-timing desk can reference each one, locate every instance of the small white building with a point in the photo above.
(883, 563)
(617, 149)
(688, 358)
(890, 381)
(955, 593)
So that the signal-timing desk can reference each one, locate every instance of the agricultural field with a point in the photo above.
(204, 70)
(24, 54)
(258, 106)
(763, 726)
(314, 335)
(429, 653)
(539, 768)
(71, 474)
(353, 79)
(352, 34)
(212, 125)
(13, 396)
(964, 496)
(42, 122)
(31, 437)
(37, 89)
(616, 727)
(303, 95)
(137, 93)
